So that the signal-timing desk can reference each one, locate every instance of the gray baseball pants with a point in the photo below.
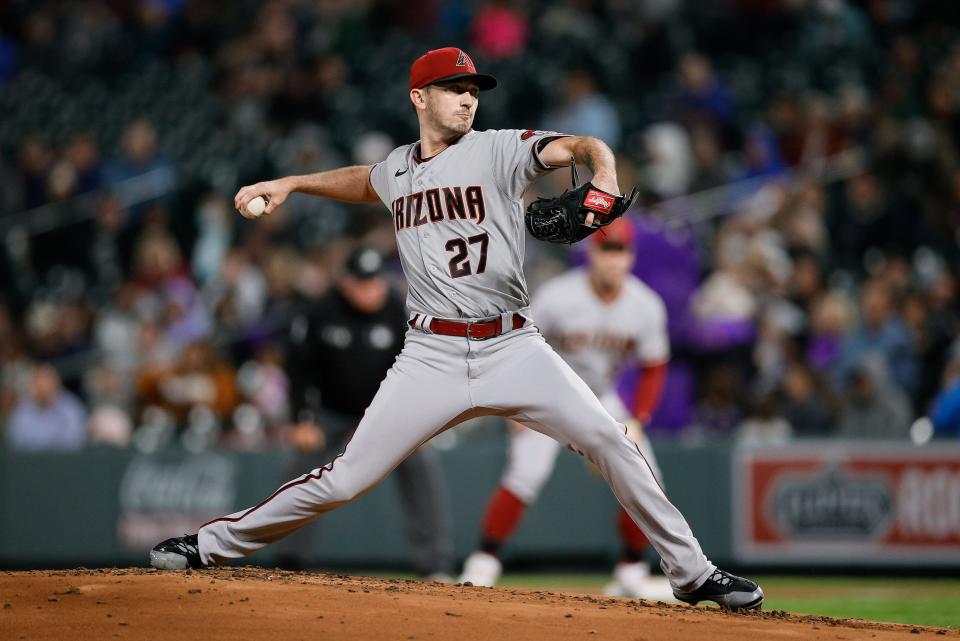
(438, 382)
(422, 491)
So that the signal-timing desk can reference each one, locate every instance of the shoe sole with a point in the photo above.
(752, 605)
(168, 560)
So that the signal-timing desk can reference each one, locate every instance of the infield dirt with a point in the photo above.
(257, 604)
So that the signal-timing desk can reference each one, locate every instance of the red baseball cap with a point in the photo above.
(619, 232)
(448, 63)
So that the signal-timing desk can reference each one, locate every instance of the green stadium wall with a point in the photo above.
(107, 507)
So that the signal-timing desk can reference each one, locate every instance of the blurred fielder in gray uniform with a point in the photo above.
(455, 198)
(598, 319)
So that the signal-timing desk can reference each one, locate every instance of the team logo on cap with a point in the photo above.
(463, 60)
(598, 201)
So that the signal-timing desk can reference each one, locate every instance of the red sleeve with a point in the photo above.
(649, 388)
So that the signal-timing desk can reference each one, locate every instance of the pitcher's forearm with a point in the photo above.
(588, 151)
(348, 184)
(599, 159)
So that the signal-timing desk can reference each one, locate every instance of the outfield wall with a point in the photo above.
(830, 503)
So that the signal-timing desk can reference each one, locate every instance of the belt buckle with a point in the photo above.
(470, 336)
(480, 322)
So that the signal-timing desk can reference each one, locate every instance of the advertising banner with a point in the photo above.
(845, 503)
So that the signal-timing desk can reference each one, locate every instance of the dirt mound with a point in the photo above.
(273, 605)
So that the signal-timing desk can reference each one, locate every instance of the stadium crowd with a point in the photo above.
(799, 160)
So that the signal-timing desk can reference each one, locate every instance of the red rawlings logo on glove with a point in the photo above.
(599, 201)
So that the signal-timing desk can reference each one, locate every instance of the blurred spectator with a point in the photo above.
(108, 245)
(708, 167)
(763, 157)
(238, 294)
(724, 296)
(718, 412)
(945, 412)
(372, 147)
(585, 111)
(805, 407)
(116, 332)
(164, 286)
(110, 397)
(701, 99)
(49, 418)
(806, 279)
(36, 161)
(762, 426)
(15, 365)
(214, 222)
(880, 332)
(669, 170)
(198, 378)
(8, 59)
(831, 316)
(933, 321)
(263, 382)
(110, 426)
(58, 329)
(873, 407)
(812, 136)
(82, 155)
(499, 30)
(860, 222)
(139, 155)
(832, 29)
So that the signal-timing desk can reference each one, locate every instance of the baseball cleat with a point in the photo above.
(629, 579)
(177, 553)
(729, 591)
(481, 569)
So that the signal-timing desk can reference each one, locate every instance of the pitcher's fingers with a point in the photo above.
(271, 205)
(241, 198)
(248, 193)
(588, 221)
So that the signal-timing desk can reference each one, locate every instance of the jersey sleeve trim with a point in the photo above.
(370, 180)
(544, 142)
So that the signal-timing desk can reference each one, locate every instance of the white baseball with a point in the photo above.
(254, 208)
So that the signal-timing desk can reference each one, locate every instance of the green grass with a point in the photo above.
(918, 601)
(921, 601)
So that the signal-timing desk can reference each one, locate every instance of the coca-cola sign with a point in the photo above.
(165, 497)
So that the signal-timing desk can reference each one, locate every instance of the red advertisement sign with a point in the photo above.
(841, 503)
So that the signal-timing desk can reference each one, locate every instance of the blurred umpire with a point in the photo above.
(340, 350)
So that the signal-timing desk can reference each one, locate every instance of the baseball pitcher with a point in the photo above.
(472, 348)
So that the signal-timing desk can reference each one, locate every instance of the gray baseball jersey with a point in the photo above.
(458, 214)
(596, 338)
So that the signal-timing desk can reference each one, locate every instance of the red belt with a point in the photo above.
(476, 331)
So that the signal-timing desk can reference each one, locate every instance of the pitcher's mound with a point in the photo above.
(273, 605)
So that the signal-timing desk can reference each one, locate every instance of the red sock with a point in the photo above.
(504, 512)
(633, 538)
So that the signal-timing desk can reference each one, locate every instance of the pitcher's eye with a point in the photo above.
(459, 89)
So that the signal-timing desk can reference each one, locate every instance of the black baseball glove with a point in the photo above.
(563, 219)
